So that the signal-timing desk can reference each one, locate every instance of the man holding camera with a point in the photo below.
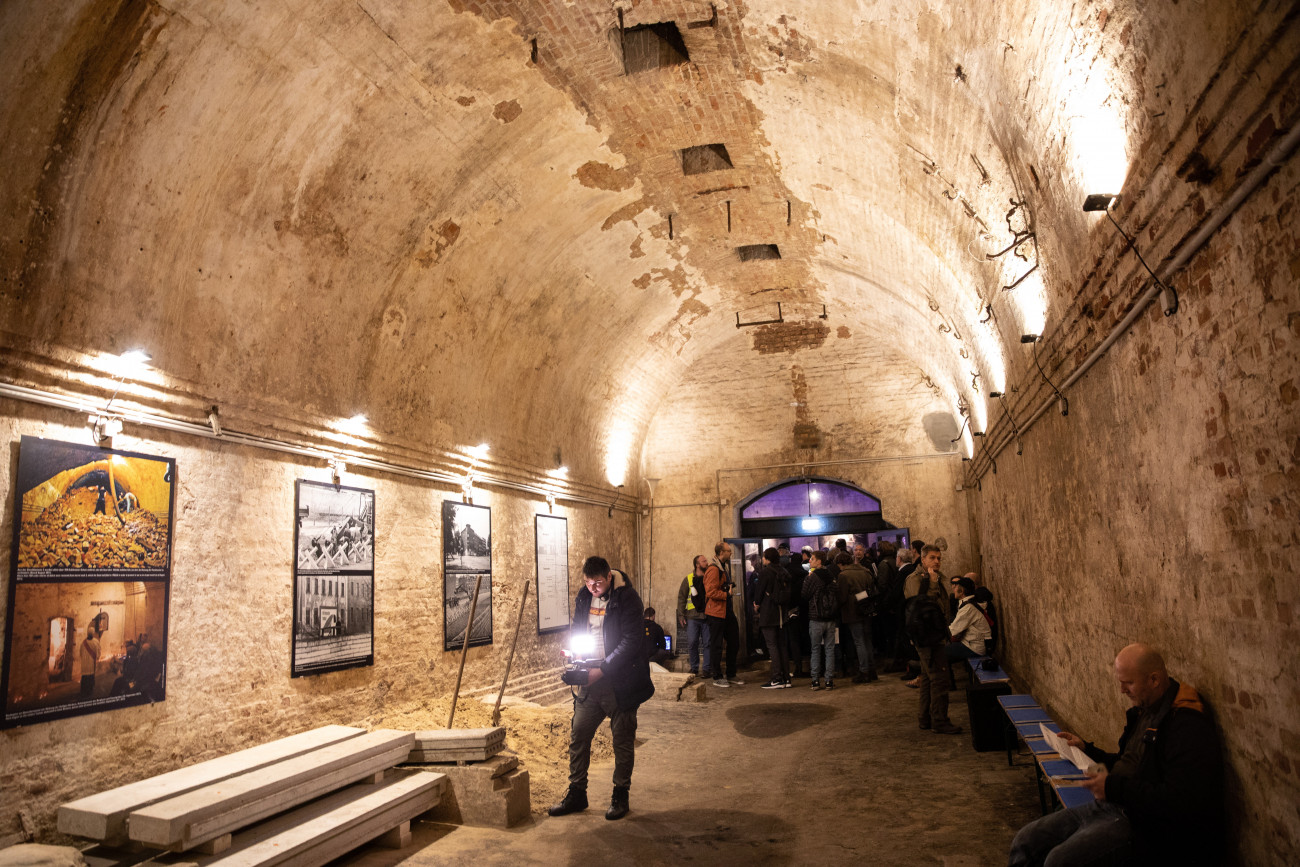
(613, 679)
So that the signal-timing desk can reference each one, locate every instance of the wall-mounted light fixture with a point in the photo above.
(617, 493)
(1105, 202)
(337, 469)
(1061, 402)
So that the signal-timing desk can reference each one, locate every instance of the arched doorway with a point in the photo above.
(811, 511)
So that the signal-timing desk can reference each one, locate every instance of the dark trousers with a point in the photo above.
(936, 680)
(795, 631)
(590, 708)
(731, 634)
(717, 627)
(776, 645)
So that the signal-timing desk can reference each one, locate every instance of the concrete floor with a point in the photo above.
(767, 777)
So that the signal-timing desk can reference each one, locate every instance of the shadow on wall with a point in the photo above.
(941, 429)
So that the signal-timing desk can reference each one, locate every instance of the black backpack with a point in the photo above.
(924, 621)
(780, 585)
(826, 601)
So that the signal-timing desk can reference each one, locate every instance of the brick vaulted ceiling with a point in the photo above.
(528, 220)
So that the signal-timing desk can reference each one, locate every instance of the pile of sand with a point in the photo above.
(538, 735)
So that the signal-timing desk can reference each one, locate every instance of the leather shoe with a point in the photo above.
(574, 801)
(618, 805)
(947, 728)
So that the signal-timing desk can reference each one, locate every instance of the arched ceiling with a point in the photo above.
(466, 218)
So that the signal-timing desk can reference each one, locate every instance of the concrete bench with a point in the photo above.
(209, 814)
(457, 745)
(325, 829)
(103, 816)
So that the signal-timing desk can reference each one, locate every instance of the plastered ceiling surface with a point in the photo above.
(470, 220)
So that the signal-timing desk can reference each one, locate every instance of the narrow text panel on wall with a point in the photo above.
(552, 573)
(333, 578)
(89, 584)
(466, 563)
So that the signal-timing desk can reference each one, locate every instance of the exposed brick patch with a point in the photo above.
(790, 336)
(636, 251)
(601, 176)
(627, 212)
(843, 332)
(507, 111)
(466, 101)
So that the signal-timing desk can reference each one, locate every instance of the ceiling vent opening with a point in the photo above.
(653, 46)
(753, 252)
(705, 158)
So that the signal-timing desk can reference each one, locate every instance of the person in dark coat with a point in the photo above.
(771, 598)
(609, 611)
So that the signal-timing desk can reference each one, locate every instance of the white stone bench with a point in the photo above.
(327, 828)
(103, 816)
(209, 815)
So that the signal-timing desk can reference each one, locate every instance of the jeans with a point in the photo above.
(822, 635)
(776, 645)
(861, 632)
(697, 644)
(1092, 834)
(590, 708)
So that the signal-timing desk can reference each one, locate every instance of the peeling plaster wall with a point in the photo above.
(1166, 508)
(231, 612)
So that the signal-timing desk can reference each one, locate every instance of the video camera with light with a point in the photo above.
(579, 659)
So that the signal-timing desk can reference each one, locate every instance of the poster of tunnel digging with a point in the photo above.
(86, 627)
(333, 579)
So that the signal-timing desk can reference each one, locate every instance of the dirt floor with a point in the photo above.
(753, 776)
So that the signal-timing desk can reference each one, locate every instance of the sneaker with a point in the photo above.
(735, 682)
(923, 725)
(693, 673)
(722, 684)
(859, 678)
(914, 684)
(947, 728)
(830, 684)
(575, 801)
(773, 684)
(817, 685)
(786, 684)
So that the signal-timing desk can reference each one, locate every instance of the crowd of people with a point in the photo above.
(841, 611)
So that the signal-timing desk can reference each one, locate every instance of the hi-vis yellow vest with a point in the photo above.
(696, 602)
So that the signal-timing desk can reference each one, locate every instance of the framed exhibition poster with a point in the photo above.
(553, 597)
(89, 582)
(333, 578)
(466, 555)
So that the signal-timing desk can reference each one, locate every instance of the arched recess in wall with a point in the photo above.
(811, 506)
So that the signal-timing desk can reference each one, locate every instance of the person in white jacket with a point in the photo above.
(970, 628)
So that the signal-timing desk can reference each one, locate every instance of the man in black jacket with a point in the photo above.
(1159, 800)
(608, 610)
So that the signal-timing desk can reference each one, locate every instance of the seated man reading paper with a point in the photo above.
(1158, 800)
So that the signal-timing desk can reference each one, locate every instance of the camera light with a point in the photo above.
(582, 646)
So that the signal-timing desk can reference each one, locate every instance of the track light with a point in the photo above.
(1029, 338)
(1105, 202)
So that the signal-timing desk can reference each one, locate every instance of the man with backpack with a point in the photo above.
(926, 623)
(822, 602)
(858, 594)
(771, 598)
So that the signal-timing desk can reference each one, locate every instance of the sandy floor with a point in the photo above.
(755, 777)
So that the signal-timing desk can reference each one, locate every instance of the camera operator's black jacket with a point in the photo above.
(626, 665)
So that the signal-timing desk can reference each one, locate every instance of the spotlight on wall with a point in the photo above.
(1105, 202)
(480, 451)
(618, 493)
(214, 421)
(358, 419)
(995, 394)
(1029, 338)
(104, 427)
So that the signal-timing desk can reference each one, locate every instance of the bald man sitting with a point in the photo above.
(1159, 799)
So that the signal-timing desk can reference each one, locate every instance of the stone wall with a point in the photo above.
(231, 612)
(1165, 508)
